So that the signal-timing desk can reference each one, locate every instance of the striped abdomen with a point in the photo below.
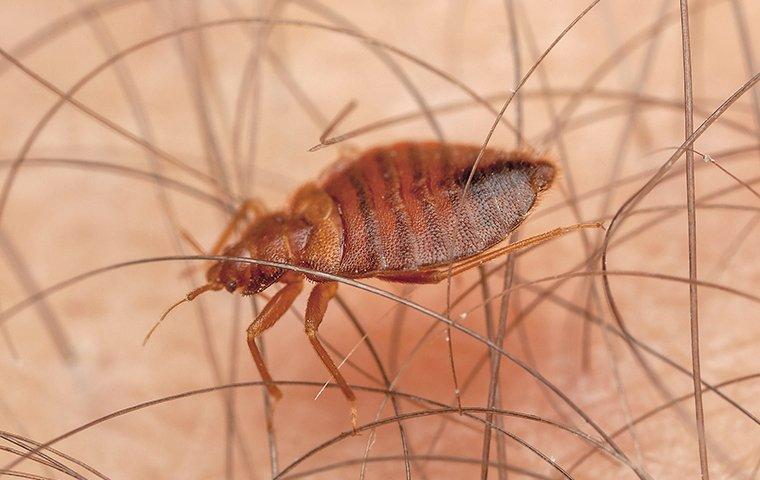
(402, 206)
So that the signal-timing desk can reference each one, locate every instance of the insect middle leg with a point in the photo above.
(273, 311)
(320, 296)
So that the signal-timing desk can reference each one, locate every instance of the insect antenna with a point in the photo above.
(188, 298)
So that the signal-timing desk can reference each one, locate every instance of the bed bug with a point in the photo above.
(398, 213)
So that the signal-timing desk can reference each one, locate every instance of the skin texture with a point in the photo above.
(61, 221)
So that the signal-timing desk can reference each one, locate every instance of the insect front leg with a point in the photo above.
(251, 206)
(320, 296)
(273, 311)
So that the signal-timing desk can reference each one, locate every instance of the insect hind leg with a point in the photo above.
(439, 273)
(529, 242)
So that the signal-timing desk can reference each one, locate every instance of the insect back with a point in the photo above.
(403, 206)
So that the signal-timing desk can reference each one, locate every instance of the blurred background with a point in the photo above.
(126, 122)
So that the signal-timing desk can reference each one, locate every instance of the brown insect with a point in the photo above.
(396, 213)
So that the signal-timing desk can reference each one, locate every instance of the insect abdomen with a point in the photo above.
(402, 206)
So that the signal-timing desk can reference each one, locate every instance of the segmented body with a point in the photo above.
(402, 206)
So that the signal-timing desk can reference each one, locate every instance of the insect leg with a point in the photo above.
(250, 206)
(489, 255)
(320, 296)
(272, 312)
(439, 273)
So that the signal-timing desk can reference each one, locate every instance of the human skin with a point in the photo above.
(63, 220)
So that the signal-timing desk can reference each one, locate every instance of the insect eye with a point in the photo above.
(231, 286)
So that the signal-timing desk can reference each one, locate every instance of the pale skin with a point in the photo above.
(105, 326)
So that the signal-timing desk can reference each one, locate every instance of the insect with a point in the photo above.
(397, 213)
